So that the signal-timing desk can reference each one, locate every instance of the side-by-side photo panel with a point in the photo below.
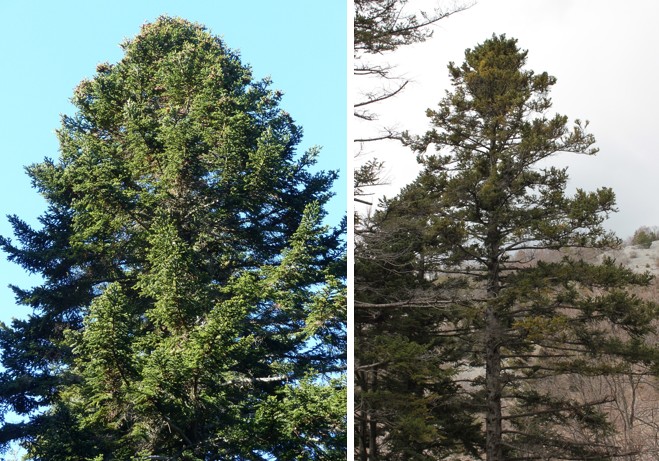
(506, 238)
(173, 239)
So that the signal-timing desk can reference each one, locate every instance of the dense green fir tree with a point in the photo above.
(513, 333)
(193, 302)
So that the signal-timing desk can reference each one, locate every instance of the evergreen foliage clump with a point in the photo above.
(193, 301)
(644, 236)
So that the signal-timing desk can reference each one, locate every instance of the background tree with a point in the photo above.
(514, 332)
(381, 27)
(408, 406)
(644, 236)
(193, 303)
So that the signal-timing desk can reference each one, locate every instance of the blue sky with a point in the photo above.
(47, 48)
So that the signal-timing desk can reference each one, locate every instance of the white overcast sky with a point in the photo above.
(605, 55)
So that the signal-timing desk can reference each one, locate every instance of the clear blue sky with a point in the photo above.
(48, 47)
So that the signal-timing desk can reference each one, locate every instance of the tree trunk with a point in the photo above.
(363, 450)
(493, 429)
(363, 423)
(373, 426)
(493, 340)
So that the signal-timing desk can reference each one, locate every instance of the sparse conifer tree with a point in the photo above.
(512, 331)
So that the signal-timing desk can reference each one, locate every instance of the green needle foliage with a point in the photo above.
(511, 334)
(193, 302)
